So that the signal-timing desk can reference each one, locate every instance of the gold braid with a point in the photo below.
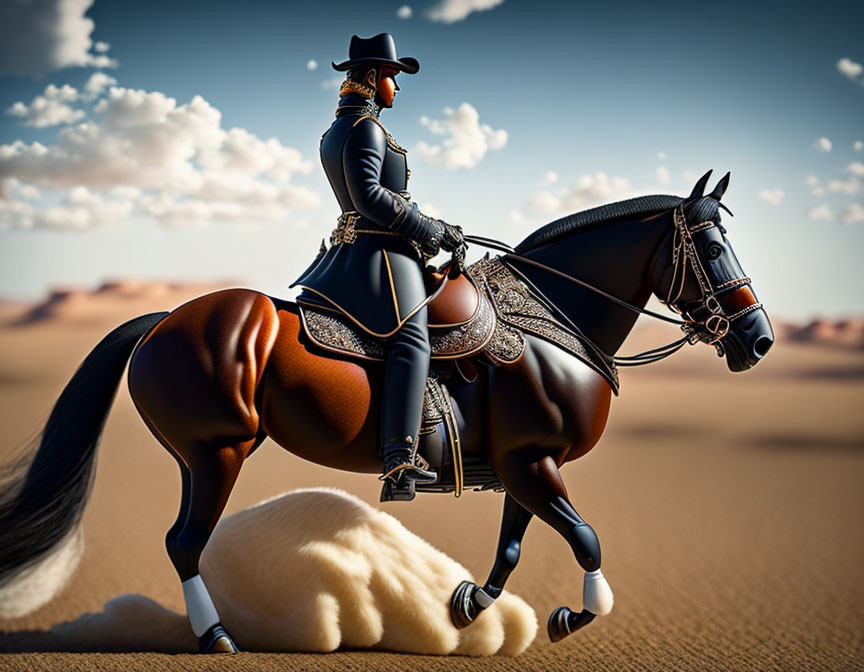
(349, 87)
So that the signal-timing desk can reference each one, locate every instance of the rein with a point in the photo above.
(714, 327)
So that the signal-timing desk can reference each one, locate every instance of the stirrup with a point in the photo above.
(402, 463)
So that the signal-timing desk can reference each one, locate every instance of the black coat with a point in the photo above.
(377, 280)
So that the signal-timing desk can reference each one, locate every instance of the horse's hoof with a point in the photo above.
(463, 611)
(564, 622)
(216, 640)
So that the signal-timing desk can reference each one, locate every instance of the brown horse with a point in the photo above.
(218, 375)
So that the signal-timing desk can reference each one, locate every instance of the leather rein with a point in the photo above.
(710, 330)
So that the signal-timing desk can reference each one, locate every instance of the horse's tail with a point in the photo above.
(42, 500)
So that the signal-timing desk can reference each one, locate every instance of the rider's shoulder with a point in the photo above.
(369, 126)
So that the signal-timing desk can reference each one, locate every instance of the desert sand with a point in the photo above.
(729, 508)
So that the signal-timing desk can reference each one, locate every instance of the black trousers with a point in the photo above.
(406, 366)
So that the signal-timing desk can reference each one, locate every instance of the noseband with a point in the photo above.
(710, 318)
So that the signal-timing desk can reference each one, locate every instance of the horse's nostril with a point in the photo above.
(762, 345)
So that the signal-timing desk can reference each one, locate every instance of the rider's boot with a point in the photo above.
(406, 368)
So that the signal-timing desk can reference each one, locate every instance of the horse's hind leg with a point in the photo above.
(534, 482)
(211, 476)
(469, 599)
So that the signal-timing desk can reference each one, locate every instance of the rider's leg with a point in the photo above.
(405, 370)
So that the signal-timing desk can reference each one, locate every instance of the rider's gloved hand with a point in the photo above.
(452, 237)
(453, 241)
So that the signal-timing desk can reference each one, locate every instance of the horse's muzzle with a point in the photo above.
(748, 341)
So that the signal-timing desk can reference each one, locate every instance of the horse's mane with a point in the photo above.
(643, 206)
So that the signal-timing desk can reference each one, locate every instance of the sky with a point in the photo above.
(179, 140)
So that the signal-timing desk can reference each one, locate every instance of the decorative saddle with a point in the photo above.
(481, 315)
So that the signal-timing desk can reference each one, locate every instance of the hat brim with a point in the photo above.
(408, 65)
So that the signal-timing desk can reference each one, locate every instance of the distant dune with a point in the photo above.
(842, 333)
(120, 298)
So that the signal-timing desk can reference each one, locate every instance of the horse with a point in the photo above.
(216, 376)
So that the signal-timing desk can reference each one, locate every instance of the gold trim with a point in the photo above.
(392, 286)
(349, 87)
(319, 344)
(364, 327)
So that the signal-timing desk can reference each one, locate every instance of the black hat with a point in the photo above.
(378, 49)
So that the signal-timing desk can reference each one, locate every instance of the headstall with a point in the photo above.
(708, 321)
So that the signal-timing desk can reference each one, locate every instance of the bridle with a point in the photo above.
(705, 319)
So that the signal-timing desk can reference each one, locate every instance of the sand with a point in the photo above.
(729, 508)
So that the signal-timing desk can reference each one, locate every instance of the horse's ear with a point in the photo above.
(699, 189)
(720, 189)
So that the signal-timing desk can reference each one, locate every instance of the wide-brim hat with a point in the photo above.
(378, 49)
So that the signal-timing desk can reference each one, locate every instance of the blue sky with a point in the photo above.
(597, 102)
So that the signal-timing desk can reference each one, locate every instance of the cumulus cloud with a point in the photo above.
(41, 36)
(853, 214)
(184, 167)
(849, 186)
(450, 11)
(311, 65)
(822, 144)
(772, 196)
(49, 109)
(97, 84)
(858, 145)
(588, 191)
(849, 68)
(662, 175)
(404, 12)
(549, 178)
(856, 168)
(816, 188)
(820, 213)
(466, 141)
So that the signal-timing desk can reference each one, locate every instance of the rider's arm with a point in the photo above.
(362, 158)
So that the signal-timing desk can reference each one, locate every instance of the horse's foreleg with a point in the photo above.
(211, 476)
(536, 484)
(469, 599)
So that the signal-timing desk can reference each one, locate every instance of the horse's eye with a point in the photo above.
(714, 251)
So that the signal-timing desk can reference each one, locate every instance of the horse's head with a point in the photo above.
(699, 276)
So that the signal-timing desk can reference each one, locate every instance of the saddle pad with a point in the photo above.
(332, 330)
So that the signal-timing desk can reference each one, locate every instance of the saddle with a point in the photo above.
(481, 316)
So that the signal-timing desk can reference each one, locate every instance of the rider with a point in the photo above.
(373, 270)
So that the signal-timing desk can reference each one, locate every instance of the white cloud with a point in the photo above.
(41, 36)
(311, 65)
(820, 213)
(849, 186)
(101, 47)
(97, 84)
(49, 109)
(141, 153)
(849, 68)
(823, 144)
(404, 12)
(662, 175)
(467, 139)
(858, 145)
(661, 156)
(856, 168)
(450, 11)
(853, 214)
(430, 210)
(587, 192)
(772, 196)
(550, 177)
(816, 188)
(333, 83)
